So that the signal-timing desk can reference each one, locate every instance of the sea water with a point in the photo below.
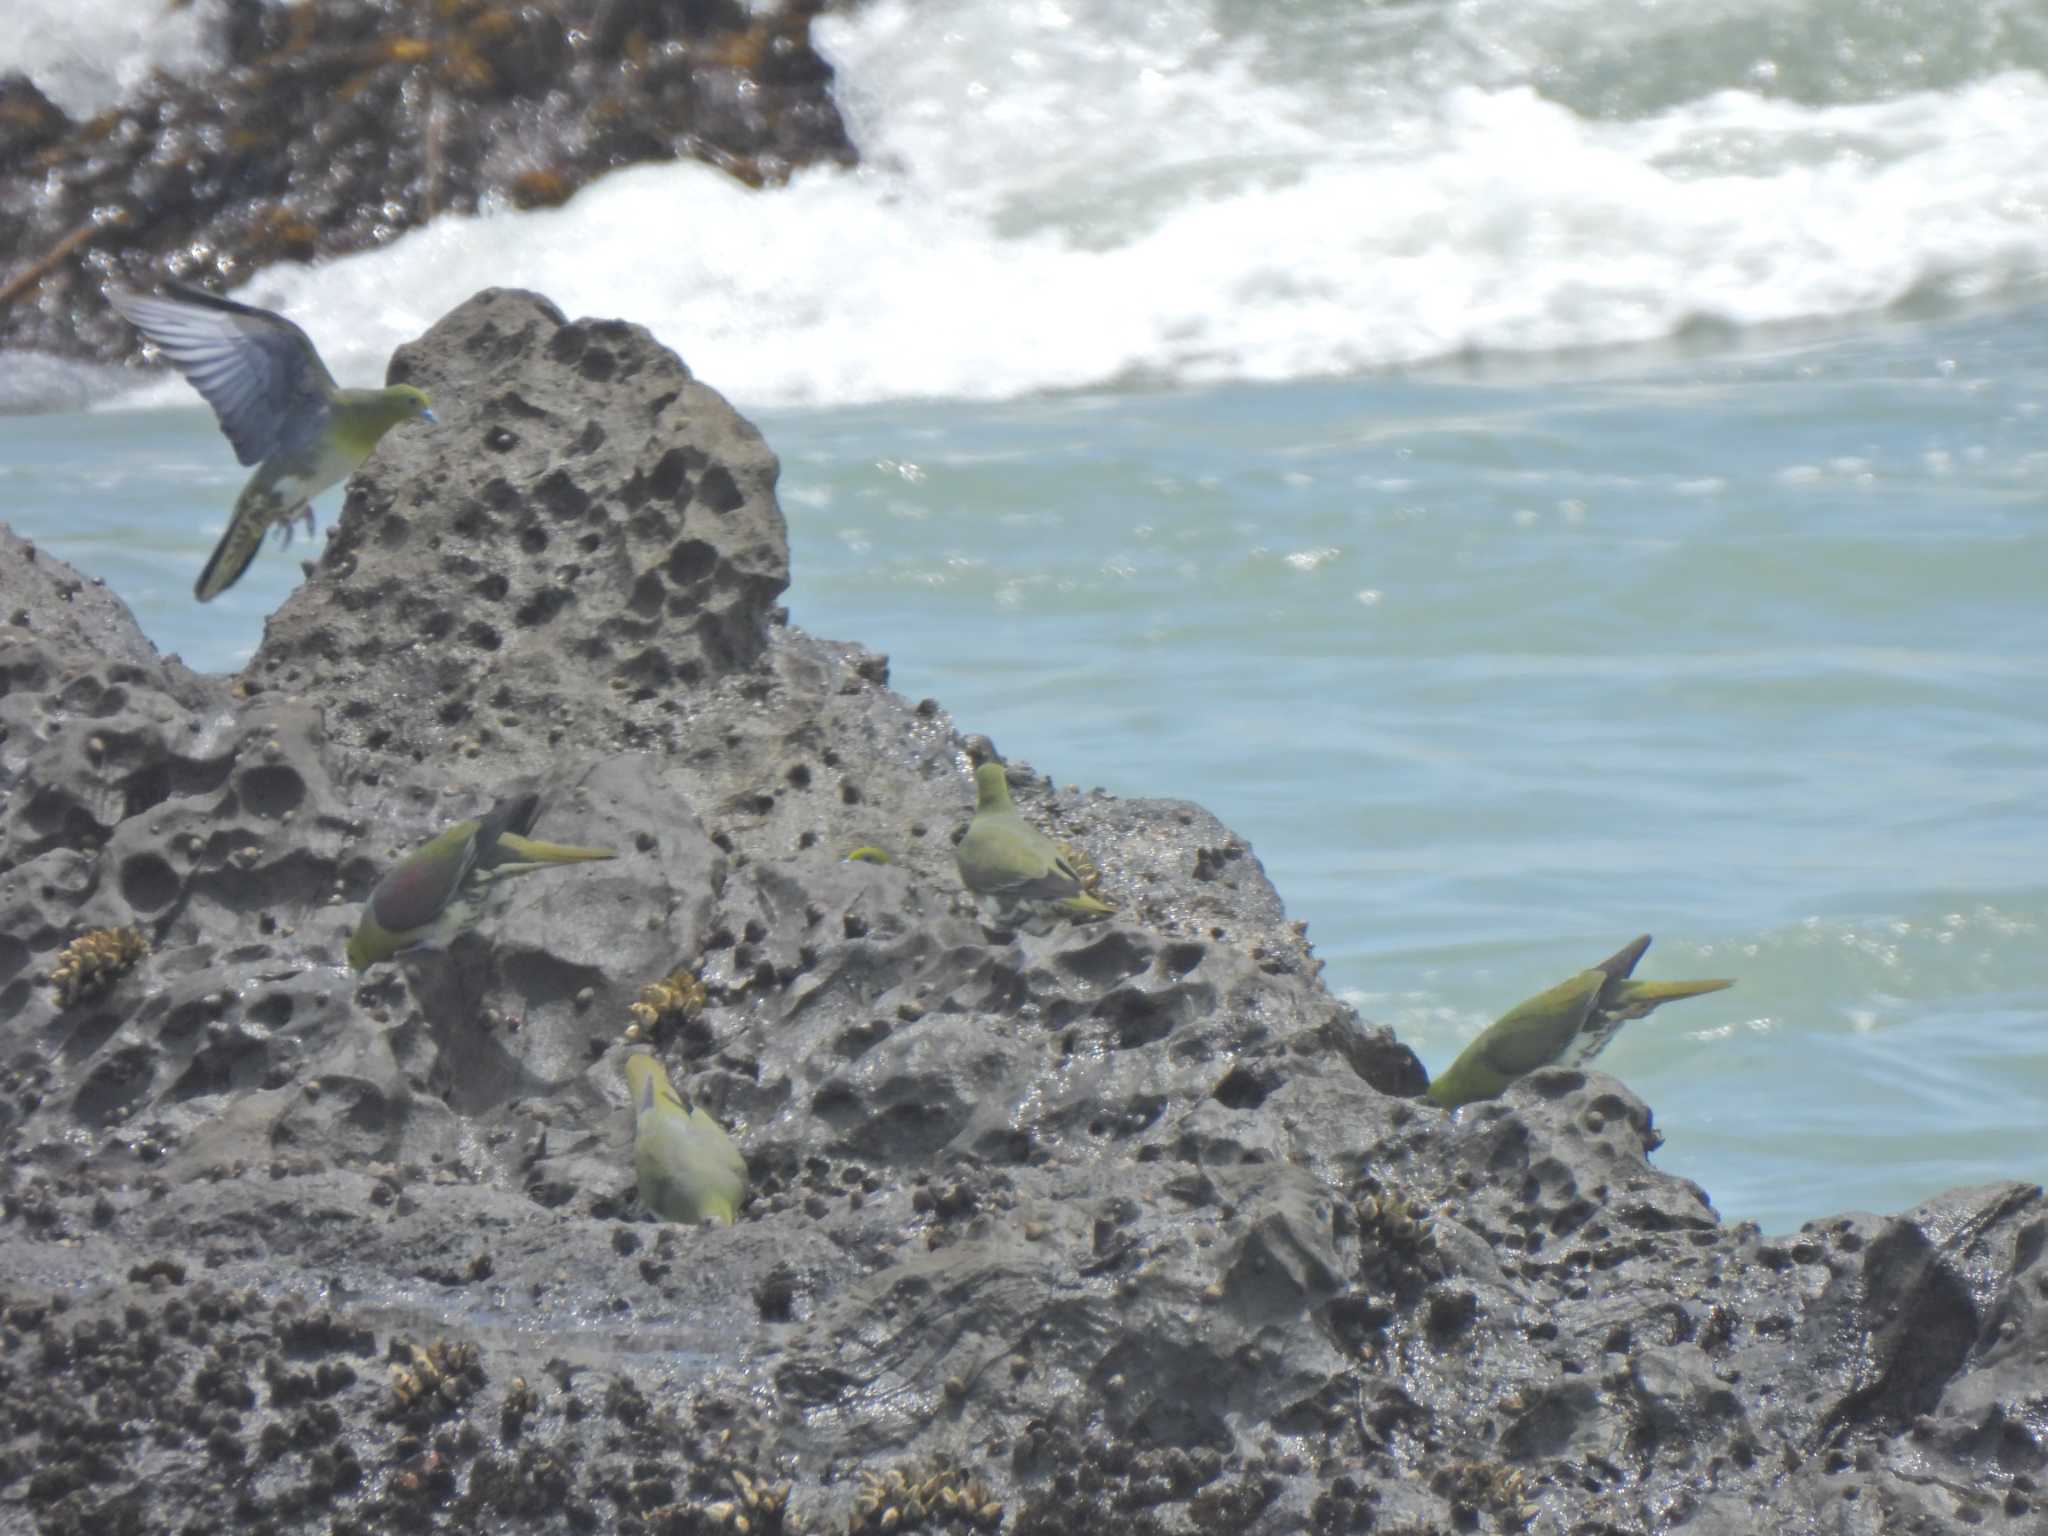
(1542, 472)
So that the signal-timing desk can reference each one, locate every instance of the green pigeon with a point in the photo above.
(1566, 1026)
(1006, 859)
(278, 405)
(687, 1167)
(436, 891)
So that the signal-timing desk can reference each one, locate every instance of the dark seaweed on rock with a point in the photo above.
(1124, 1228)
(336, 125)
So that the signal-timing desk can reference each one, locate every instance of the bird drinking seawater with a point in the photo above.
(436, 890)
(1568, 1025)
(687, 1167)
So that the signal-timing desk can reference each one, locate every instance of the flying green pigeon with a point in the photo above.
(1006, 859)
(687, 1167)
(436, 891)
(278, 405)
(1566, 1026)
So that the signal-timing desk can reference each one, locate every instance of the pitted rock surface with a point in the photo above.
(1130, 1226)
(535, 574)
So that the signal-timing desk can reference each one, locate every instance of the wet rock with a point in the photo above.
(29, 120)
(1129, 1226)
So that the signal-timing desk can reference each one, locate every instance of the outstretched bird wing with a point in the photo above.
(256, 369)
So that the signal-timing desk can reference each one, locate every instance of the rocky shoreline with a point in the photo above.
(1130, 1227)
(335, 127)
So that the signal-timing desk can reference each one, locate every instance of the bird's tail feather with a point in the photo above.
(532, 853)
(1084, 905)
(1653, 993)
(254, 513)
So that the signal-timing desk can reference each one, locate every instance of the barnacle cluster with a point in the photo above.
(433, 1380)
(94, 961)
(758, 1510)
(675, 999)
(1492, 1487)
(903, 1501)
(1401, 1223)
(521, 1402)
(1083, 867)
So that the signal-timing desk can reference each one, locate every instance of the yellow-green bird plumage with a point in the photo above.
(1005, 858)
(278, 405)
(1568, 1025)
(436, 891)
(686, 1166)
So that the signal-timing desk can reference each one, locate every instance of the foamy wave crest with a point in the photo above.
(1191, 192)
(86, 55)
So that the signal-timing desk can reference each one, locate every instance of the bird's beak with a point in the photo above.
(427, 414)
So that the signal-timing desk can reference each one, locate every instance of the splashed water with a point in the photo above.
(1059, 197)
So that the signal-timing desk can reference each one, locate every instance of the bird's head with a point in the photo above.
(992, 788)
(360, 957)
(415, 402)
(720, 1211)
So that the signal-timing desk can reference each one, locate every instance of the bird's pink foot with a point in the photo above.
(286, 526)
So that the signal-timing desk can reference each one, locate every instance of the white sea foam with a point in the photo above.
(87, 54)
(1064, 196)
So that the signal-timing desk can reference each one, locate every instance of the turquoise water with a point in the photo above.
(1743, 648)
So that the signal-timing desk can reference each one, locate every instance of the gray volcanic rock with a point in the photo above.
(583, 570)
(1125, 1227)
(48, 602)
